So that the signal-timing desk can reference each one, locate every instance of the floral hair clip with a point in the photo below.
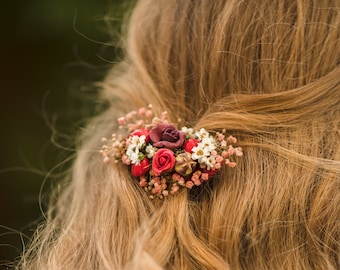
(165, 159)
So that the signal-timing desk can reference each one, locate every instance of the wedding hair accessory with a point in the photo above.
(166, 159)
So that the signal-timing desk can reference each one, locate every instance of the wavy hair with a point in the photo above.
(268, 72)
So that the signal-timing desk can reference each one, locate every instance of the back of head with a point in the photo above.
(267, 71)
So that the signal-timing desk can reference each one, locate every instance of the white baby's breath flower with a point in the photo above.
(199, 152)
(188, 131)
(137, 141)
(202, 133)
(238, 151)
(133, 155)
(150, 150)
(209, 162)
(209, 143)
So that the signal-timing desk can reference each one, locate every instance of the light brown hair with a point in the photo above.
(267, 71)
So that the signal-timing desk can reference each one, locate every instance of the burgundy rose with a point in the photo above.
(163, 161)
(166, 135)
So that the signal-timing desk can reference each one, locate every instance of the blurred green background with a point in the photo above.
(52, 51)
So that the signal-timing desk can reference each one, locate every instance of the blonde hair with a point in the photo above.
(267, 71)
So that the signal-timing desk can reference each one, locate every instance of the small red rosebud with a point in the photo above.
(189, 144)
(141, 169)
(140, 132)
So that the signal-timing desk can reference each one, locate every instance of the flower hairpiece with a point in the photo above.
(166, 159)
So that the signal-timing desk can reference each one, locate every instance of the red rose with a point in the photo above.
(166, 135)
(189, 144)
(140, 132)
(164, 160)
(142, 168)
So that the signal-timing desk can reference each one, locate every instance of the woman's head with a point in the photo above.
(267, 71)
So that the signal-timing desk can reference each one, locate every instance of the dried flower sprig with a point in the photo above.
(166, 159)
